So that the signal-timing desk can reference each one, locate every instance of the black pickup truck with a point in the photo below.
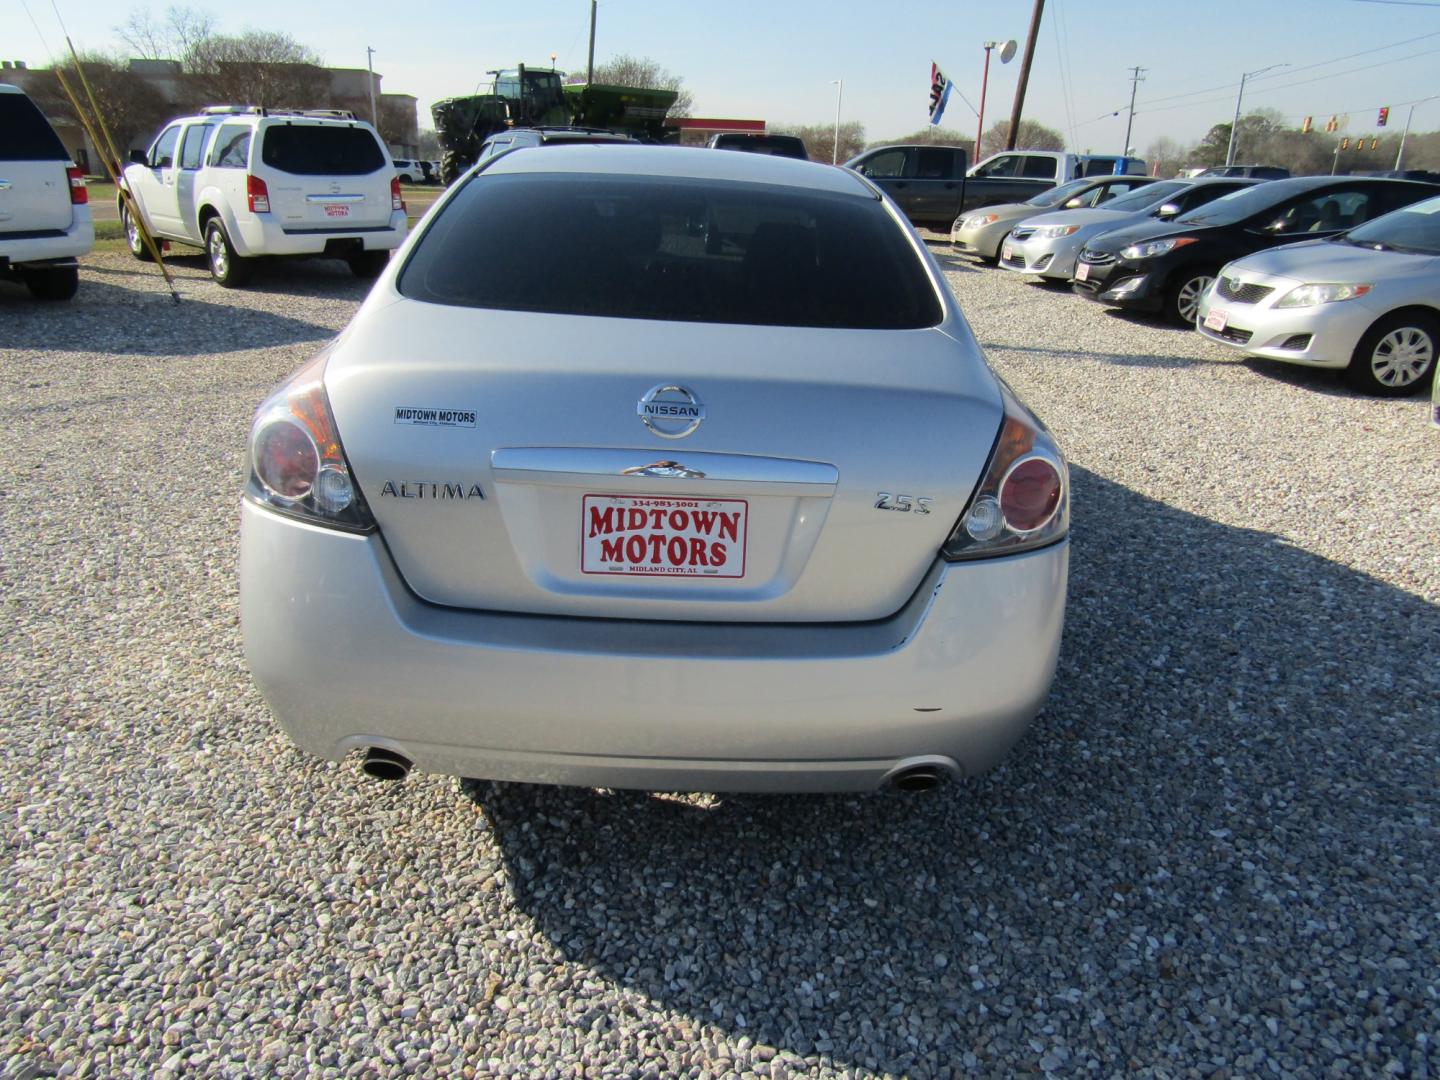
(931, 186)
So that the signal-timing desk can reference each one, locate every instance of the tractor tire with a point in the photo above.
(452, 165)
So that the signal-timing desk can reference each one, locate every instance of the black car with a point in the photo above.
(1166, 266)
(515, 138)
(789, 146)
(1255, 172)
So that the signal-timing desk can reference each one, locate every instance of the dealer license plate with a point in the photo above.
(1216, 319)
(337, 210)
(1007, 252)
(1082, 271)
(661, 536)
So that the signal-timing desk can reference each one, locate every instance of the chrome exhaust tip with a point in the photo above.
(919, 778)
(385, 764)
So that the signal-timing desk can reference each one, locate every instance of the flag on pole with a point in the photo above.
(939, 92)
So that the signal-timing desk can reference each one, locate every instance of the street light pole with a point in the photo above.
(1135, 80)
(370, 85)
(1235, 124)
(1400, 154)
(839, 93)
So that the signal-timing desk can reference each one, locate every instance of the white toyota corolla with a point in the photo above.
(660, 468)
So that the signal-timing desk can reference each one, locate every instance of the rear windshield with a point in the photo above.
(322, 150)
(775, 145)
(682, 250)
(25, 134)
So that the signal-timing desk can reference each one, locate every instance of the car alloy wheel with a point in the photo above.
(1185, 297)
(133, 239)
(226, 267)
(1396, 355)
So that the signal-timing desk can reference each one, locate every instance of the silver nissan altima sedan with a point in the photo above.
(659, 468)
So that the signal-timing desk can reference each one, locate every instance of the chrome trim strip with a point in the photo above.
(585, 467)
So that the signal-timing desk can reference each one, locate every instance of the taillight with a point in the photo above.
(79, 193)
(258, 195)
(396, 202)
(297, 465)
(1023, 501)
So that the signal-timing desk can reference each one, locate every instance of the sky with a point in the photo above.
(779, 60)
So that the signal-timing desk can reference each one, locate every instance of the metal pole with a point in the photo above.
(590, 64)
(840, 93)
(1135, 81)
(370, 83)
(1235, 124)
(1400, 154)
(1019, 105)
(984, 84)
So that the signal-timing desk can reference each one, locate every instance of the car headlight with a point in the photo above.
(1312, 295)
(1150, 248)
(1055, 232)
(975, 221)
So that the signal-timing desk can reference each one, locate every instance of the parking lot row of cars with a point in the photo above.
(1329, 271)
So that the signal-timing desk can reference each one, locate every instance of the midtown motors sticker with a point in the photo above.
(649, 536)
(411, 414)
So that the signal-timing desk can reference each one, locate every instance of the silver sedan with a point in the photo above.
(981, 232)
(649, 467)
(1366, 301)
(1050, 244)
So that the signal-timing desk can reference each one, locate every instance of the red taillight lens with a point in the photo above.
(396, 202)
(258, 195)
(1030, 494)
(297, 465)
(79, 193)
(1022, 501)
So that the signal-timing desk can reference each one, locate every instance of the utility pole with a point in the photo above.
(1400, 154)
(1235, 125)
(1019, 105)
(590, 64)
(1135, 80)
(839, 93)
(370, 85)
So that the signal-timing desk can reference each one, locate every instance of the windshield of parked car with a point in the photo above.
(25, 134)
(1145, 197)
(1415, 229)
(1057, 195)
(634, 247)
(1240, 204)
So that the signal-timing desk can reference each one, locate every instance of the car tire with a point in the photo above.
(133, 240)
(227, 268)
(1396, 356)
(52, 283)
(405, 178)
(369, 265)
(1182, 296)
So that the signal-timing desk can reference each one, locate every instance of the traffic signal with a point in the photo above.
(1333, 124)
(1374, 144)
(1384, 117)
(1305, 126)
(1345, 143)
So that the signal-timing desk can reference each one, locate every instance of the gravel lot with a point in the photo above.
(1215, 855)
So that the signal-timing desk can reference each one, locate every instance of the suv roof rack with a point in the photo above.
(262, 110)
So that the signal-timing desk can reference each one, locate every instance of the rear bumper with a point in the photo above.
(51, 245)
(348, 657)
(255, 234)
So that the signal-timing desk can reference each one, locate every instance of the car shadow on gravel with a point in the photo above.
(126, 321)
(1122, 359)
(1222, 817)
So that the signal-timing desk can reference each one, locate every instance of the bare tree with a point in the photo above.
(397, 121)
(933, 136)
(131, 108)
(626, 70)
(258, 67)
(170, 37)
(1166, 156)
(819, 139)
(1031, 136)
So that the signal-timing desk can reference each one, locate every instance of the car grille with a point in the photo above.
(1091, 287)
(1297, 342)
(1233, 289)
(1096, 258)
(1022, 234)
(1230, 334)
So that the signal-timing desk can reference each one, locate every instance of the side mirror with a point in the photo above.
(165, 163)
(860, 169)
(137, 157)
(1167, 211)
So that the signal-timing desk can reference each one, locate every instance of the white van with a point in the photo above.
(44, 206)
(244, 182)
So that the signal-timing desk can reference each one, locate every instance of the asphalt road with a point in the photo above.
(1215, 854)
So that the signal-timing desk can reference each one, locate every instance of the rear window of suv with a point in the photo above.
(25, 134)
(679, 250)
(322, 150)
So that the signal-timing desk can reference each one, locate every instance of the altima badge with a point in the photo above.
(671, 412)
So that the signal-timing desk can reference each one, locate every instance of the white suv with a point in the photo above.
(243, 182)
(44, 206)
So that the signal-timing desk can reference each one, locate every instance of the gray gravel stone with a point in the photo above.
(1215, 855)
